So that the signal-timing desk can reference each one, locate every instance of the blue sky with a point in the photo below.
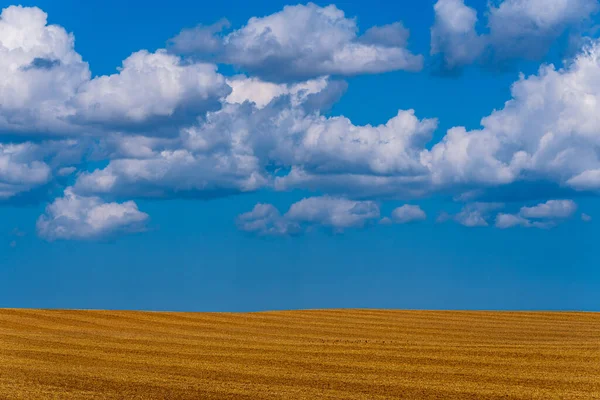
(273, 182)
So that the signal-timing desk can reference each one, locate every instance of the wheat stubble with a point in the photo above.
(325, 354)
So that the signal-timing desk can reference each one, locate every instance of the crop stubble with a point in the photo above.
(321, 354)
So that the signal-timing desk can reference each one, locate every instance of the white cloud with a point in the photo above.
(585, 217)
(335, 213)
(307, 41)
(517, 29)
(505, 221)
(526, 28)
(46, 87)
(333, 154)
(266, 220)
(453, 33)
(20, 171)
(550, 210)
(39, 72)
(74, 217)
(472, 214)
(544, 215)
(262, 93)
(547, 132)
(150, 88)
(408, 213)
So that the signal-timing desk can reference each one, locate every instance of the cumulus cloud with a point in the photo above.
(46, 87)
(454, 35)
(303, 42)
(150, 88)
(335, 213)
(20, 171)
(334, 154)
(473, 214)
(408, 213)
(544, 215)
(169, 126)
(550, 210)
(74, 217)
(546, 132)
(39, 72)
(516, 29)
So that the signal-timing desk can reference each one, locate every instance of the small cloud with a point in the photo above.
(408, 213)
(385, 221)
(66, 171)
(17, 232)
(586, 218)
(472, 215)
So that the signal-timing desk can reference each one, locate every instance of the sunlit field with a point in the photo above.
(327, 354)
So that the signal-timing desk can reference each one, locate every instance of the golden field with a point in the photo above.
(325, 354)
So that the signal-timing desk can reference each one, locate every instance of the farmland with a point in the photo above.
(321, 354)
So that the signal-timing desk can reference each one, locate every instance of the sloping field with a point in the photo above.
(329, 354)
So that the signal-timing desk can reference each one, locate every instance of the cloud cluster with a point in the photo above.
(168, 125)
(547, 132)
(337, 214)
(516, 29)
(545, 215)
(46, 88)
(303, 42)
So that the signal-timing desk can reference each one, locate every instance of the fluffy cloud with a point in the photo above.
(150, 88)
(408, 213)
(550, 210)
(333, 154)
(39, 72)
(266, 220)
(547, 132)
(46, 87)
(261, 93)
(505, 221)
(28, 166)
(303, 42)
(473, 214)
(453, 33)
(544, 215)
(337, 214)
(73, 217)
(166, 126)
(517, 29)
(20, 171)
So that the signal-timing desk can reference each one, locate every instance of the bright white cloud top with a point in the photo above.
(303, 42)
(77, 217)
(168, 124)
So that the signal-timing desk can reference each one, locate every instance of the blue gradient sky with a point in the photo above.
(193, 257)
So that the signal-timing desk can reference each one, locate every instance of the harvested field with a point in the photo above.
(328, 354)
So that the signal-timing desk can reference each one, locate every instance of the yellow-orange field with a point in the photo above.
(328, 354)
